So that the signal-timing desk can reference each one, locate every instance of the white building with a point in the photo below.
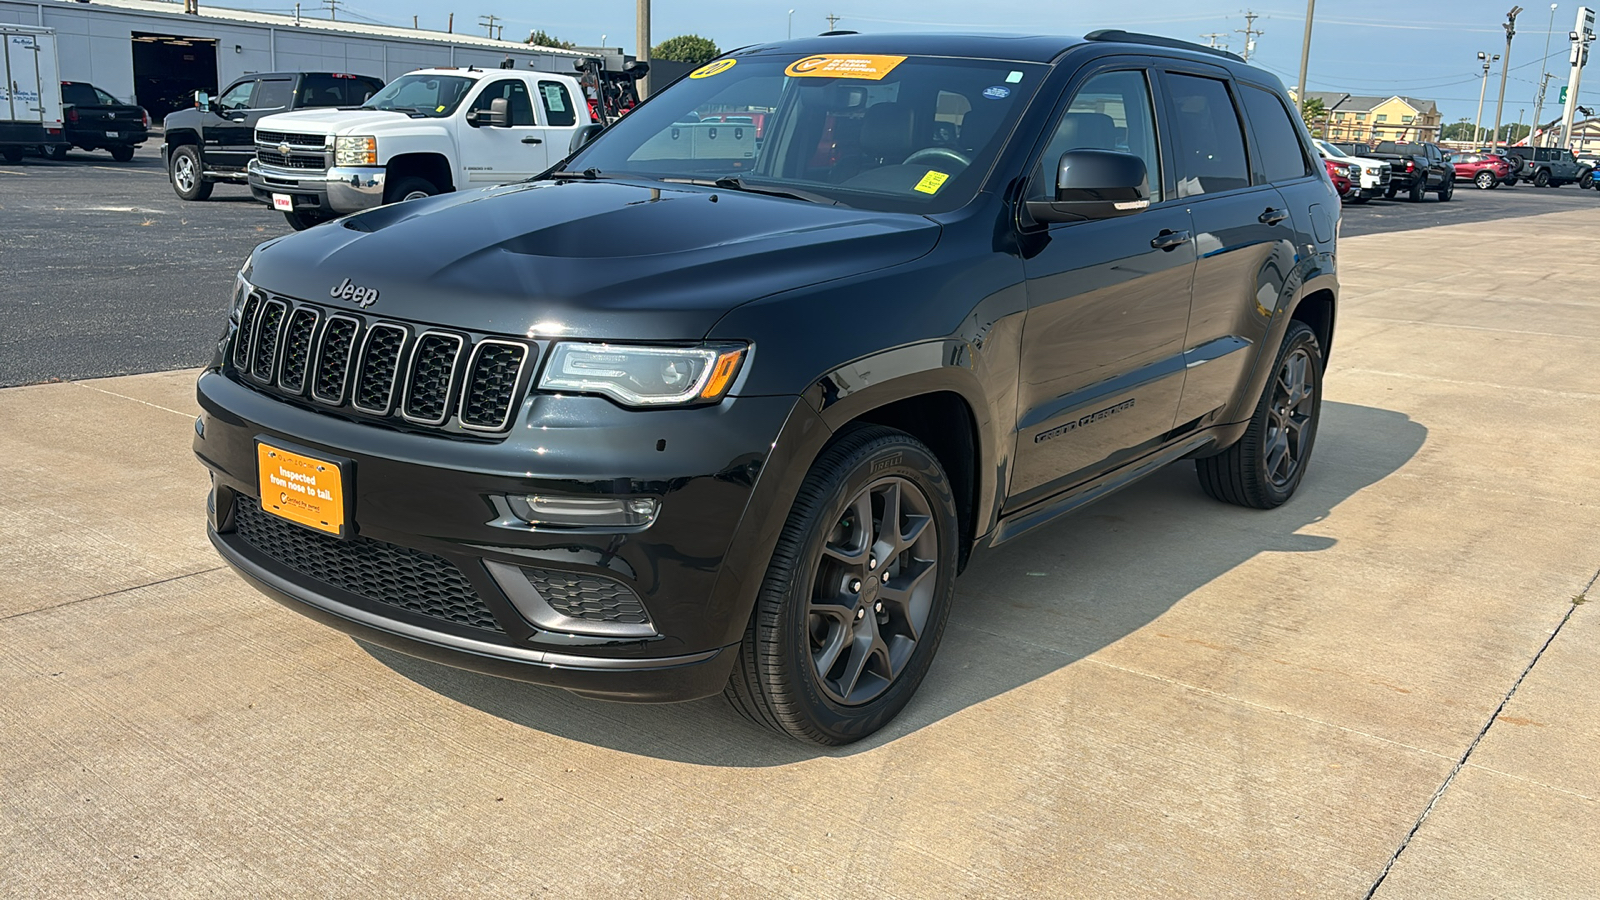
(157, 55)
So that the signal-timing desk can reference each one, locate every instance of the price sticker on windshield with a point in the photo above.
(713, 68)
(870, 68)
(931, 182)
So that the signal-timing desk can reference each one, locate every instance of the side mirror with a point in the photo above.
(498, 115)
(583, 136)
(1095, 184)
(637, 68)
(202, 101)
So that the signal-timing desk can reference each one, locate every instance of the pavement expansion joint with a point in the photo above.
(135, 587)
(178, 412)
(1478, 738)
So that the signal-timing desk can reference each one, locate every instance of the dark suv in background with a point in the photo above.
(215, 140)
(683, 416)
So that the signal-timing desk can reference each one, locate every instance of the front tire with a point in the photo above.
(852, 608)
(1419, 189)
(1263, 469)
(1586, 180)
(1447, 191)
(187, 174)
(300, 221)
(1485, 180)
(411, 187)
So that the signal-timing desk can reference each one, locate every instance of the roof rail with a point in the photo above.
(1155, 40)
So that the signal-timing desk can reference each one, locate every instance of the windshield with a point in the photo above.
(435, 96)
(890, 133)
(1331, 150)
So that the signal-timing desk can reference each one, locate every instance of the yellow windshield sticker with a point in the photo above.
(931, 182)
(872, 68)
(439, 109)
(713, 68)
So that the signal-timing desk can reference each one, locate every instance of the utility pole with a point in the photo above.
(832, 21)
(1477, 121)
(1505, 63)
(450, 27)
(1305, 52)
(1211, 40)
(642, 38)
(488, 23)
(1581, 35)
(1544, 67)
(1249, 31)
(333, 8)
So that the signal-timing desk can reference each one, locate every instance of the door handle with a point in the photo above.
(1273, 216)
(1168, 239)
(532, 140)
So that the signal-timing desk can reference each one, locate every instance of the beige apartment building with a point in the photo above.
(1354, 118)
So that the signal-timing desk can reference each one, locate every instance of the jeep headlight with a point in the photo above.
(359, 150)
(643, 376)
(241, 287)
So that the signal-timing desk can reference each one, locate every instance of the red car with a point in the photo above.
(1340, 173)
(1486, 170)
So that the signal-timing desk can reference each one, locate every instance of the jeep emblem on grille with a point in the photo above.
(284, 148)
(362, 297)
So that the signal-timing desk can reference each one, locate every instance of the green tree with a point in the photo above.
(1513, 133)
(1314, 114)
(1457, 131)
(540, 39)
(686, 48)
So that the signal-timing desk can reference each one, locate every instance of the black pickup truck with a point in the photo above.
(95, 120)
(215, 140)
(1418, 169)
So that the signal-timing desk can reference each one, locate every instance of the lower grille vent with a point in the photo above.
(591, 597)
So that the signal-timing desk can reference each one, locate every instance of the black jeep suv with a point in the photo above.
(704, 410)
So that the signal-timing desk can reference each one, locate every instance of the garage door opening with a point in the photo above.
(167, 70)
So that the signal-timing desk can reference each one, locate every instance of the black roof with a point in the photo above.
(1018, 47)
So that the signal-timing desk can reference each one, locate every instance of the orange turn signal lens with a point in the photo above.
(722, 375)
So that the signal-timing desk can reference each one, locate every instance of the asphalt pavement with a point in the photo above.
(104, 271)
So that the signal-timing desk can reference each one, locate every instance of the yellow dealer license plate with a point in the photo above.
(301, 488)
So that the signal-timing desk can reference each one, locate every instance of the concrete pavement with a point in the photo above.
(1357, 694)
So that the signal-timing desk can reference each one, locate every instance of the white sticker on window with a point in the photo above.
(552, 98)
(1014, 77)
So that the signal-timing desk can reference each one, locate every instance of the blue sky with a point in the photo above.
(1357, 45)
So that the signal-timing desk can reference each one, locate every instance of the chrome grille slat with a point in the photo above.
(491, 384)
(333, 359)
(431, 375)
(297, 345)
(379, 368)
(291, 138)
(264, 354)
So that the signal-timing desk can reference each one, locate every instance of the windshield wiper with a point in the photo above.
(589, 174)
(737, 183)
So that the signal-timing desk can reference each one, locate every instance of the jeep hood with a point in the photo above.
(587, 259)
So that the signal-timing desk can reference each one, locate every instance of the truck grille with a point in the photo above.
(288, 137)
(378, 368)
(375, 570)
(274, 158)
(307, 152)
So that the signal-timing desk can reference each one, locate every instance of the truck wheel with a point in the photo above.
(58, 152)
(1388, 192)
(1585, 181)
(1419, 188)
(1541, 178)
(1447, 191)
(122, 153)
(300, 221)
(411, 187)
(1265, 466)
(184, 171)
(857, 594)
(1485, 180)
(13, 155)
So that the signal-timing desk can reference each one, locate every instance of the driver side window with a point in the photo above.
(237, 97)
(1112, 111)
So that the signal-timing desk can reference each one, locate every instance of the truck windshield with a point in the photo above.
(1330, 150)
(435, 96)
(889, 133)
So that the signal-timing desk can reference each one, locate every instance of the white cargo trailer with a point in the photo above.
(30, 97)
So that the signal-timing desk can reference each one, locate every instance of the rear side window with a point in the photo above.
(1210, 139)
(557, 104)
(1282, 157)
(326, 90)
(273, 94)
(78, 94)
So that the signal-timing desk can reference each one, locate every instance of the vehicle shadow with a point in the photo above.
(1022, 611)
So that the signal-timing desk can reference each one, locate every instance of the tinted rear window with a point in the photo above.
(273, 94)
(1282, 156)
(79, 94)
(1211, 155)
(326, 90)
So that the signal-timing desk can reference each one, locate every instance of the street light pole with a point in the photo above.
(1505, 63)
(790, 32)
(1544, 79)
(1581, 35)
(1477, 121)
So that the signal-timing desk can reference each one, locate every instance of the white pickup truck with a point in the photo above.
(427, 132)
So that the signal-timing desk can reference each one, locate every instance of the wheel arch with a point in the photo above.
(432, 166)
(182, 137)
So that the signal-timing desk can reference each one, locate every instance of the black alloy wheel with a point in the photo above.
(1264, 468)
(1541, 178)
(857, 595)
(1586, 180)
(1485, 180)
(1419, 188)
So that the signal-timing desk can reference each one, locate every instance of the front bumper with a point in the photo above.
(724, 483)
(332, 192)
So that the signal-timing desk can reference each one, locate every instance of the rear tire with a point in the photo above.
(12, 155)
(120, 154)
(186, 173)
(411, 187)
(851, 610)
(1541, 178)
(1485, 180)
(1263, 469)
(1419, 189)
(58, 152)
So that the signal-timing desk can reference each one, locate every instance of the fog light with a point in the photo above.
(585, 512)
